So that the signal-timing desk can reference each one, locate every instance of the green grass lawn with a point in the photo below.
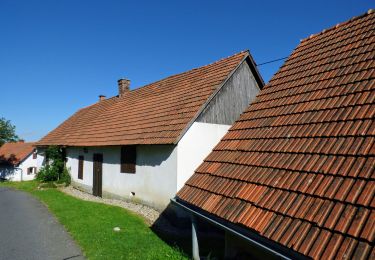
(91, 225)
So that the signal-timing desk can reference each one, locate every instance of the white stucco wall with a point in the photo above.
(196, 145)
(161, 170)
(72, 164)
(154, 182)
(15, 173)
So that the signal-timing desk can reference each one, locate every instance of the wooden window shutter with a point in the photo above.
(80, 167)
(128, 158)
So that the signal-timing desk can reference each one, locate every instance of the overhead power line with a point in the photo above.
(271, 61)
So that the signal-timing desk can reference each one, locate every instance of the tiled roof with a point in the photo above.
(14, 153)
(297, 168)
(154, 114)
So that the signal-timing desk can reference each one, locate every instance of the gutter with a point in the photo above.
(226, 228)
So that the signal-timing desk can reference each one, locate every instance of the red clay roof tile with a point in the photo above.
(303, 152)
(14, 153)
(320, 244)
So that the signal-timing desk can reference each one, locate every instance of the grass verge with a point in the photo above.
(91, 226)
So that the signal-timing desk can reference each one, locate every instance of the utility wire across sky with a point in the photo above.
(267, 62)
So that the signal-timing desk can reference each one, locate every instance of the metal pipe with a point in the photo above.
(194, 238)
(252, 241)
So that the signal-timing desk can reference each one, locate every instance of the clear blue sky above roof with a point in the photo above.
(58, 56)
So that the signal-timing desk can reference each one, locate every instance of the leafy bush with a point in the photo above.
(65, 177)
(55, 170)
(47, 173)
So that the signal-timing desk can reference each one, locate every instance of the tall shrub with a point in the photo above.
(54, 170)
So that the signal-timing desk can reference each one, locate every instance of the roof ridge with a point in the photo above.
(18, 142)
(196, 68)
(369, 12)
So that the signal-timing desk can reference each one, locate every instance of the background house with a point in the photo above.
(294, 176)
(145, 143)
(19, 161)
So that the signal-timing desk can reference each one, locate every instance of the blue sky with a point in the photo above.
(58, 56)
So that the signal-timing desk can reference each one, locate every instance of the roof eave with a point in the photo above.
(255, 71)
(257, 240)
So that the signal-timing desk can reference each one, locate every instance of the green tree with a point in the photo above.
(55, 169)
(7, 131)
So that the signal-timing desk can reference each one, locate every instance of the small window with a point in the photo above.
(31, 170)
(128, 158)
(80, 167)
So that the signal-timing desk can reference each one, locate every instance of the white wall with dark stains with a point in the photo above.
(161, 170)
(154, 182)
(72, 165)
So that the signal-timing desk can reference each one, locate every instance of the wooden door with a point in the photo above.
(97, 175)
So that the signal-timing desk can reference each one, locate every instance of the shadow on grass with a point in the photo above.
(174, 228)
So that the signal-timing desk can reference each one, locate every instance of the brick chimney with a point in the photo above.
(101, 97)
(123, 86)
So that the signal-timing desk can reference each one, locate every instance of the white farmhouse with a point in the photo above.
(19, 161)
(145, 143)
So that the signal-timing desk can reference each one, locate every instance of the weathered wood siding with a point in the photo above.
(232, 99)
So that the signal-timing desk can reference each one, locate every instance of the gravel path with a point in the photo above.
(150, 214)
